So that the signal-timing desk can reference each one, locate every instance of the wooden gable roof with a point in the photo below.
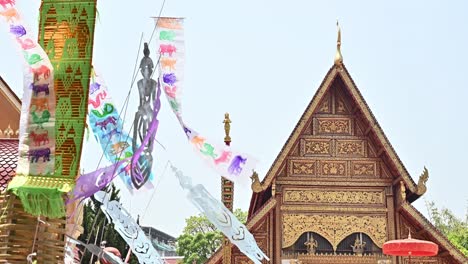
(340, 73)
(10, 107)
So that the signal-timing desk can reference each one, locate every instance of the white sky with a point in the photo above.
(262, 61)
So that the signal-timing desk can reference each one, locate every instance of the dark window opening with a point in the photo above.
(356, 240)
(308, 243)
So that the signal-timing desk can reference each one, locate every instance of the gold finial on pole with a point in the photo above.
(227, 128)
(338, 57)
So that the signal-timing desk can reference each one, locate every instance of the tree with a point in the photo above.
(200, 239)
(454, 228)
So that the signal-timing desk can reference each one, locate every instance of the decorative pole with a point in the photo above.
(227, 191)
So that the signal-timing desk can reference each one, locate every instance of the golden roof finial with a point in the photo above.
(338, 57)
(227, 127)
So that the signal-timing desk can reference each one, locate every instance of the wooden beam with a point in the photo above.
(397, 180)
(380, 151)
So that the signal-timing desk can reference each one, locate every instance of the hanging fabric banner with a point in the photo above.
(37, 122)
(233, 165)
(90, 183)
(129, 230)
(70, 53)
(107, 127)
(221, 218)
(146, 122)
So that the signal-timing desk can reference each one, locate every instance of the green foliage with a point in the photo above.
(199, 247)
(200, 239)
(93, 215)
(454, 228)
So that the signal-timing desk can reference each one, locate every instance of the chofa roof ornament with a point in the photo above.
(338, 56)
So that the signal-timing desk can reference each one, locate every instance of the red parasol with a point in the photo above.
(410, 247)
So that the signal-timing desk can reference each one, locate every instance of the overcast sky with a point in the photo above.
(262, 61)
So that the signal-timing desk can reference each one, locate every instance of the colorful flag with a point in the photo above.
(233, 165)
(37, 124)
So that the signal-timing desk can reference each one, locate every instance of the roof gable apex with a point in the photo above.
(341, 72)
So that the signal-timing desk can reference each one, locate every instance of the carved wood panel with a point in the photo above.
(316, 147)
(339, 126)
(302, 168)
(308, 196)
(364, 168)
(351, 148)
(333, 168)
(333, 227)
(426, 260)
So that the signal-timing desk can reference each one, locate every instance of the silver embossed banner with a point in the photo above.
(129, 230)
(221, 218)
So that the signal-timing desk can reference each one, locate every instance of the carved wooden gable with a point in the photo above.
(338, 140)
(337, 180)
(336, 143)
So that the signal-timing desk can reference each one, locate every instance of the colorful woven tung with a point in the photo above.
(66, 33)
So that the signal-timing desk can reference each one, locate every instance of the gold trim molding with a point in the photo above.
(360, 209)
(334, 197)
(332, 182)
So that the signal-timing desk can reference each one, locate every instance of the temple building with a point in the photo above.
(10, 108)
(337, 190)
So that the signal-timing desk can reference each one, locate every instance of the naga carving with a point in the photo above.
(257, 186)
(421, 188)
(402, 193)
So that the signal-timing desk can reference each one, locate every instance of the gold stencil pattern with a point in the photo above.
(340, 107)
(333, 168)
(325, 106)
(350, 148)
(364, 169)
(299, 167)
(334, 228)
(334, 126)
(337, 197)
(316, 147)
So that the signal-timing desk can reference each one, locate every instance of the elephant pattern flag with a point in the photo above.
(233, 165)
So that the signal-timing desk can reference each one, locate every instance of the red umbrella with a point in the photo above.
(410, 247)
